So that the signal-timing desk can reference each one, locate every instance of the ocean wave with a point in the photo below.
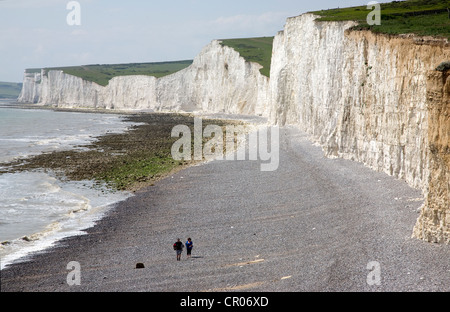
(37, 209)
(45, 210)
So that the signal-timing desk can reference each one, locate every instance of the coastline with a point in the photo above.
(313, 225)
(66, 165)
(150, 139)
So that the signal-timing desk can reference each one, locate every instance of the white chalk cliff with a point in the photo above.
(366, 97)
(372, 98)
(209, 84)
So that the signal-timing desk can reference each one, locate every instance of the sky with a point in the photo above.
(37, 33)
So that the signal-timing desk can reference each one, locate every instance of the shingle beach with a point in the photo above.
(315, 224)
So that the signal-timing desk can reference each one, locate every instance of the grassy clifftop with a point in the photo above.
(101, 74)
(421, 17)
(258, 50)
(10, 90)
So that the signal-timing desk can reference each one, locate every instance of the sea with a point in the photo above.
(36, 207)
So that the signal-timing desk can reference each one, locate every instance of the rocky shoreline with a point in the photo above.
(127, 161)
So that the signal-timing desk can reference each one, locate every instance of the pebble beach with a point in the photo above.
(315, 224)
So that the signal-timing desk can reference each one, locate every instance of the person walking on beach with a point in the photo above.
(189, 246)
(178, 247)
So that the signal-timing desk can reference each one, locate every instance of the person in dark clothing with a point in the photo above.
(189, 246)
(178, 247)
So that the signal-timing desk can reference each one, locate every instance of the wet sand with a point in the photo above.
(312, 225)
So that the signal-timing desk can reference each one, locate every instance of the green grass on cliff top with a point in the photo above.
(102, 74)
(258, 50)
(10, 90)
(421, 17)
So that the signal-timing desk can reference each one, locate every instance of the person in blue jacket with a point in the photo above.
(189, 246)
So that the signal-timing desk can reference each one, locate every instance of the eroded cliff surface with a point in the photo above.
(31, 88)
(434, 221)
(366, 97)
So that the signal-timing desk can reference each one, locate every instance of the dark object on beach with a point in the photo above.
(140, 266)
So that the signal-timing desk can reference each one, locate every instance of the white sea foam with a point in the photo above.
(36, 209)
(29, 132)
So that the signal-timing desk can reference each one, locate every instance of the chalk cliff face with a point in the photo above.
(31, 88)
(219, 80)
(434, 221)
(368, 97)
